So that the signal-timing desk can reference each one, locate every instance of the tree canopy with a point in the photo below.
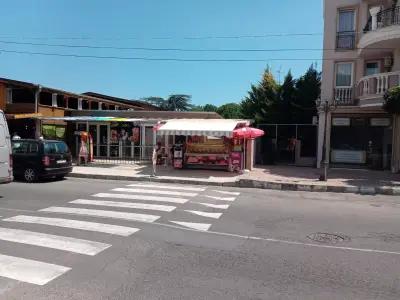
(177, 102)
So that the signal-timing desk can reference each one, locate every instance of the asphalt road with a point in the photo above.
(159, 241)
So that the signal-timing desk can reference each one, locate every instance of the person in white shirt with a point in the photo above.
(16, 136)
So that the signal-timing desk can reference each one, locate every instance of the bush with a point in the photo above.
(392, 101)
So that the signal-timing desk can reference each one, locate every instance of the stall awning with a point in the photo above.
(209, 127)
(91, 119)
(23, 116)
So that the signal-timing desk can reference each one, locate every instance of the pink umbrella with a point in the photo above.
(248, 133)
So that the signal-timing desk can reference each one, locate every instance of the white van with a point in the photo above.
(6, 170)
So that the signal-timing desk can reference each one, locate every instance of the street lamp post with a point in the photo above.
(326, 107)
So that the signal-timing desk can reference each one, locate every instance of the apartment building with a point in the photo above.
(361, 62)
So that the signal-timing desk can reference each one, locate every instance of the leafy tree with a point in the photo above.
(178, 102)
(196, 108)
(261, 102)
(287, 93)
(230, 111)
(210, 108)
(308, 90)
(392, 101)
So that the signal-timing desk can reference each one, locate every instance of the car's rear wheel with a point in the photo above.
(30, 175)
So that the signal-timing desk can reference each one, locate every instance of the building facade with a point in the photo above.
(361, 62)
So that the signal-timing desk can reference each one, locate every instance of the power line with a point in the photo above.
(179, 49)
(159, 59)
(248, 36)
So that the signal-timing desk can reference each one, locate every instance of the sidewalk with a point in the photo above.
(267, 177)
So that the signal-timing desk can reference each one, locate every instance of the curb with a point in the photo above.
(258, 184)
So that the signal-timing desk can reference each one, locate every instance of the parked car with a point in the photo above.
(6, 161)
(37, 159)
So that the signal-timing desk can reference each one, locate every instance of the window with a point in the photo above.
(345, 37)
(372, 68)
(55, 148)
(344, 73)
(20, 147)
(33, 148)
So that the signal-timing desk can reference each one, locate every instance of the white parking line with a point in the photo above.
(75, 224)
(221, 198)
(52, 241)
(125, 204)
(102, 213)
(219, 206)
(196, 226)
(205, 214)
(168, 187)
(152, 191)
(227, 193)
(30, 271)
(141, 197)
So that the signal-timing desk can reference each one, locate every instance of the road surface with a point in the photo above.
(92, 239)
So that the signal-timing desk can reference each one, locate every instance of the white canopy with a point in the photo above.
(209, 127)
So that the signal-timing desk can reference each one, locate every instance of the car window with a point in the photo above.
(20, 147)
(34, 148)
(55, 148)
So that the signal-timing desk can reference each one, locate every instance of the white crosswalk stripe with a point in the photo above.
(227, 193)
(168, 187)
(75, 224)
(30, 271)
(197, 226)
(221, 198)
(219, 206)
(141, 197)
(125, 204)
(52, 241)
(152, 191)
(205, 214)
(102, 213)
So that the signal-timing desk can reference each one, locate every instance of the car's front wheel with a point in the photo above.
(30, 175)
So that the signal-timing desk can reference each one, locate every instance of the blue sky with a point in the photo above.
(157, 24)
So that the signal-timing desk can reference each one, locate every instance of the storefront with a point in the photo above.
(361, 140)
(206, 144)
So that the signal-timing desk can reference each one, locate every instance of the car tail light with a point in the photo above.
(46, 161)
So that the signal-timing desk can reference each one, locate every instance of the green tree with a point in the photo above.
(308, 90)
(210, 108)
(178, 102)
(230, 111)
(261, 103)
(287, 94)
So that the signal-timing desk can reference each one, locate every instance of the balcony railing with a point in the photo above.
(346, 40)
(344, 96)
(374, 86)
(384, 18)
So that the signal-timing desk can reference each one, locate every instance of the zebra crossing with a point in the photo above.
(181, 206)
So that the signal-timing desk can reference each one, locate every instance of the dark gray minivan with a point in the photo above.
(37, 159)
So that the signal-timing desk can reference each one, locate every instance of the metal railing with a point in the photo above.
(344, 96)
(384, 18)
(346, 40)
(377, 84)
(121, 153)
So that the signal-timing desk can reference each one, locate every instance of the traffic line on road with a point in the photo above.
(219, 206)
(205, 214)
(125, 204)
(221, 198)
(168, 187)
(52, 241)
(75, 224)
(102, 213)
(30, 271)
(196, 226)
(152, 191)
(141, 197)
(227, 193)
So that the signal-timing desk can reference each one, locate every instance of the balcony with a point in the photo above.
(370, 89)
(382, 30)
(344, 96)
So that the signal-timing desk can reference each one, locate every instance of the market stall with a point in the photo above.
(208, 144)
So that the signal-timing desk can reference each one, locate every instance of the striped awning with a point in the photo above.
(208, 127)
